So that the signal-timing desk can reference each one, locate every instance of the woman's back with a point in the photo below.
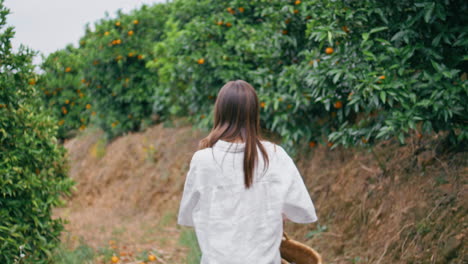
(238, 225)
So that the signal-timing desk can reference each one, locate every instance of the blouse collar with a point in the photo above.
(229, 146)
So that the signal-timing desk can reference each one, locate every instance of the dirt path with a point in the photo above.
(127, 194)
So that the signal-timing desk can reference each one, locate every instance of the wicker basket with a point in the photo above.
(293, 251)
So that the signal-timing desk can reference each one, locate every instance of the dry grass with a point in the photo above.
(413, 211)
(130, 194)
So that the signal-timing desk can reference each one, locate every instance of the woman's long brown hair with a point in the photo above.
(237, 115)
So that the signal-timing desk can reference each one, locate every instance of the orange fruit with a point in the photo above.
(280, 99)
(61, 122)
(297, 2)
(241, 9)
(229, 9)
(88, 106)
(262, 104)
(117, 23)
(202, 116)
(201, 61)
(68, 69)
(312, 144)
(130, 33)
(330, 144)
(296, 11)
(285, 32)
(382, 77)
(67, 101)
(220, 23)
(419, 135)
(289, 106)
(364, 140)
(287, 21)
(228, 24)
(345, 29)
(106, 33)
(32, 81)
(308, 17)
(82, 127)
(131, 54)
(93, 113)
(140, 57)
(329, 50)
(114, 259)
(151, 257)
(135, 22)
(338, 104)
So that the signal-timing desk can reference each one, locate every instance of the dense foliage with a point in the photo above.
(32, 164)
(348, 72)
(65, 91)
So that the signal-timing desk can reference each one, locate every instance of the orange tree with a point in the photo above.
(32, 164)
(354, 71)
(388, 68)
(348, 72)
(65, 91)
(225, 40)
(114, 56)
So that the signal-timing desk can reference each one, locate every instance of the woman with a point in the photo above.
(240, 186)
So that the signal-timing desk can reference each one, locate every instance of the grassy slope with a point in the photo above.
(129, 190)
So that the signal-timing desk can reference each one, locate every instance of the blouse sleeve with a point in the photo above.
(190, 196)
(298, 206)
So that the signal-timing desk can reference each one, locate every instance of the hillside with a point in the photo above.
(411, 211)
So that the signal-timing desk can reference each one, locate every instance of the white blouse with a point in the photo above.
(235, 225)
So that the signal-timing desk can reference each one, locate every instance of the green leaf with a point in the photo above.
(428, 14)
(383, 96)
(378, 29)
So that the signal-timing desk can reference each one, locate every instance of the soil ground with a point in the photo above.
(395, 204)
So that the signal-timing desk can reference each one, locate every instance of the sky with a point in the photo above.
(49, 25)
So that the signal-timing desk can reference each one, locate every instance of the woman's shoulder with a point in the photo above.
(201, 155)
(276, 149)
